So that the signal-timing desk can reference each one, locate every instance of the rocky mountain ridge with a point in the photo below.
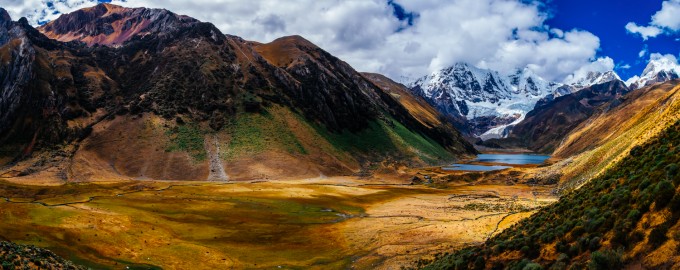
(552, 119)
(488, 103)
(127, 81)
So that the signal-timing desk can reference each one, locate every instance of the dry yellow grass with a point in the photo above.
(321, 223)
(606, 138)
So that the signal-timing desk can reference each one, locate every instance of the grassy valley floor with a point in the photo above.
(324, 223)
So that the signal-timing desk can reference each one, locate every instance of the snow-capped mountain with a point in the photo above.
(489, 102)
(592, 78)
(658, 70)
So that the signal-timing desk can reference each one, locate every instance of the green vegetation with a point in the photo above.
(427, 149)
(374, 139)
(619, 217)
(388, 137)
(255, 133)
(497, 207)
(187, 138)
(270, 129)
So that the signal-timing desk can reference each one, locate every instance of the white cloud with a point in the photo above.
(669, 58)
(600, 65)
(644, 31)
(643, 52)
(666, 20)
(499, 34)
(39, 10)
(669, 15)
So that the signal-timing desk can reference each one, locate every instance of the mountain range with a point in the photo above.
(109, 92)
(488, 105)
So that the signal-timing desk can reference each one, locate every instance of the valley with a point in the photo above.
(139, 138)
(319, 223)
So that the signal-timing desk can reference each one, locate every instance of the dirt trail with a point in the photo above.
(212, 148)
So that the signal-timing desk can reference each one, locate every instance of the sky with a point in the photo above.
(608, 20)
(406, 39)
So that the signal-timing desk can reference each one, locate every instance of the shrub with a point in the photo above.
(606, 260)
(593, 225)
(672, 171)
(559, 266)
(675, 204)
(525, 250)
(577, 231)
(7, 265)
(644, 184)
(574, 250)
(633, 215)
(532, 266)
(480, 263)
(594, 244)
(658, 236)
(663, 192)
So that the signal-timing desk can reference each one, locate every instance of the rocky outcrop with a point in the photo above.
(15, 256)
(16, 71)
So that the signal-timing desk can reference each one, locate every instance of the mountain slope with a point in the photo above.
(551, 120)
(177, 99)
(624, 218)
(608, 135)
(431, 122)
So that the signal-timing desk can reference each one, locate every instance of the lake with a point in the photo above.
(505, 159)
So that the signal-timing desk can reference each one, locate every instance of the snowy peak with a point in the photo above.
(485, 96)
(486, 92)
(487, 100)
(465, 82)
(660, 65)
(525, 81)
(592, 78)
(658, 70)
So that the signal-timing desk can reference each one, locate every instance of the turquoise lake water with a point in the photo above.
(511, 159)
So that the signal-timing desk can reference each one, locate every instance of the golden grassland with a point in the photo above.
(324, 223)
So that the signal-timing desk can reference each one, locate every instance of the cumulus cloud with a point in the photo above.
(668, 16)
(37, 11)
(665, 20)
(378, 36)
(644, 31)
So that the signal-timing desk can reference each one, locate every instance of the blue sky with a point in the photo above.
(607, 20)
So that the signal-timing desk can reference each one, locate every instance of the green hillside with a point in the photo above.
(627, 216)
